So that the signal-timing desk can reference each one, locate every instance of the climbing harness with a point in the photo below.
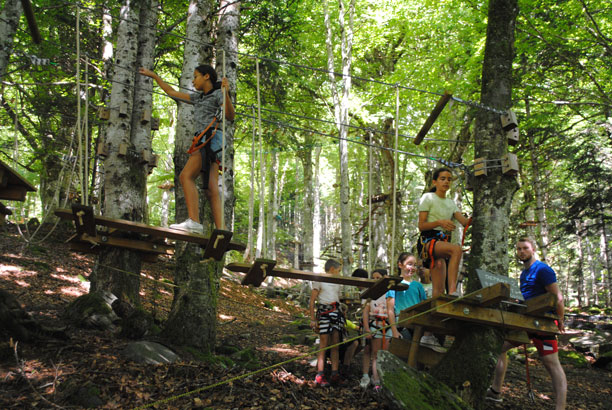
(427, 243)
(195, 143)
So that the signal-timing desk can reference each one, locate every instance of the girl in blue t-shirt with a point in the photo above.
(435, 224)
(208, 102)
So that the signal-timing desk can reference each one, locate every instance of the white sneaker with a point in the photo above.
(189, 225)
(365, 381)
(432, 343)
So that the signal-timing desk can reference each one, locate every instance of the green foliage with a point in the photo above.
(574, 358)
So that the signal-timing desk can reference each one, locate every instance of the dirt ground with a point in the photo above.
(47, 276)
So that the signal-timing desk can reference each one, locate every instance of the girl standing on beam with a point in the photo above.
(207, 142)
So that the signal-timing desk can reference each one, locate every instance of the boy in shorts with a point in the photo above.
(329, 321)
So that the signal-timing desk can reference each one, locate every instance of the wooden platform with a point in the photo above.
(262, 268)
(95, 231)
(446, 315)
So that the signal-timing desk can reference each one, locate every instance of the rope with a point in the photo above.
(306, 355)
(394, 179)
(223, 151)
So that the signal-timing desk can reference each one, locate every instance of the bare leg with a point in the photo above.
(365, 361)
(453, 253)
(500, 368)
(187, 178)
(335, 351)
(376, 346)
(212, 194)
(438, 277)
(559, 382)
(323, 343)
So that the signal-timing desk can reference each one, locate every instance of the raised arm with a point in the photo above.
(313, 318)
(164, 86)
(462, 219)
(391, 313)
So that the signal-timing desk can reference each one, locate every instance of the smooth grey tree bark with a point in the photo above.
(9, 22)
(341, 112)
(118, 270)
(492, 200)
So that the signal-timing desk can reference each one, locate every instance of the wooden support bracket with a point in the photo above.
(84, 219)
(146, 116)
(508, 120)
(480, 167)
(217, 244)
(154, 123)
(401, 348)
(103, 113)
(145, 156)
(258, 272)
(513, 136)
(510, 164)
(123, 149)
(123, 109)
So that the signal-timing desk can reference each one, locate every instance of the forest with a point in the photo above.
(328, 153)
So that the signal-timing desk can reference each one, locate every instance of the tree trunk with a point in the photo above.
(9, 22)
(342, 119)
(593, 272)
(249, 252)
(272, 206)
(261, 222)
(118, 270)
(192, 319)
(308, 208)
(492, 201)
(606, 280)
(582, 294)
(316, 214)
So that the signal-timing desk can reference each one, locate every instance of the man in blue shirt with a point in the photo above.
(537, 278)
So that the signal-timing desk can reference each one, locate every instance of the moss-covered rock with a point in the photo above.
(572, 357)
(407, 388)
(92, 311)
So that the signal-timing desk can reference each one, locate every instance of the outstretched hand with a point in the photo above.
(146, 72)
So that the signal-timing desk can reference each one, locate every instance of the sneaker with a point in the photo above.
(365, 381)
(432, 343)
(321, 381)
(189, 225)
(491, 395)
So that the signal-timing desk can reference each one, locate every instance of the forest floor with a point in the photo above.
(45, 278)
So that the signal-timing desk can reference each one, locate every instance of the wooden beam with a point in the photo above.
(417, 332)
(541, 304)
(517, 337)
(428, 321)
(305, 275)
(86, 247)
(401, 348)
(495, 317)
(444, 99)
(133, 244)
(491, 295)
(4, 210)
(154, 231)
(382, 286)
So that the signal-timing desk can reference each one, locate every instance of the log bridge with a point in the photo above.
(492, 306)
(93, 232)
(262, 268)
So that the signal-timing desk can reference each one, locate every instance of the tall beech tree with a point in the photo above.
(118, 269)
(492, 199)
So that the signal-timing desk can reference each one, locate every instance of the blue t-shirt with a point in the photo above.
(535, 279)
(409, 297)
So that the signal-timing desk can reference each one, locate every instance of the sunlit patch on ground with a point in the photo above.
(76, 291)
(282, 349)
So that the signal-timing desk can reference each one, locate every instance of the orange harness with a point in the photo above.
(196, 140)
(428, 248)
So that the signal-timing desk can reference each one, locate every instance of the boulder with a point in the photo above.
(595, 343)
(407, 388)
(93, 311)
(149, 353)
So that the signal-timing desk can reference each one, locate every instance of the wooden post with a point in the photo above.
(444, 99)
